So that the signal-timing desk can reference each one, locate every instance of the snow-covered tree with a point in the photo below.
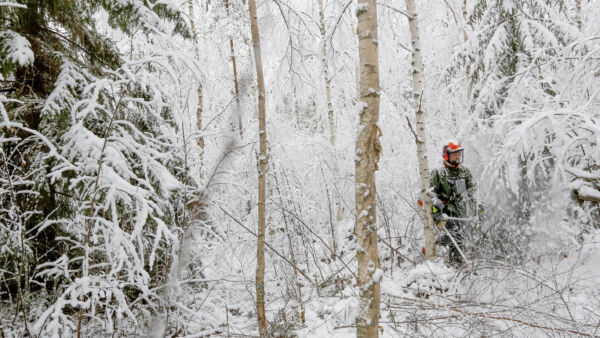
(100, 153)
(368, 150)
(506, 39)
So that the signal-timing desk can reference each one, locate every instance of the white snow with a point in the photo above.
(16, 48)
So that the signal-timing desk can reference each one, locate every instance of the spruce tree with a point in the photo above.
(505, 39)
(77, 123)
(508, 42)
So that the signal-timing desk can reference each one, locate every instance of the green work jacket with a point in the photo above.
(455, 187)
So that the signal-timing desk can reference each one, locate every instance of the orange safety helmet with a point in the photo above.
(450, 147)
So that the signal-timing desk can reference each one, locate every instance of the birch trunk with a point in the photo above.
(199, 91)
(326, 73)
(356, 71)
(578, 8)
(421, 138)
(338, 206)
(465, 39)
(235, 80)
(315, 117)
(262, 171)
(464, 13)
(296, 107)
(367, 155)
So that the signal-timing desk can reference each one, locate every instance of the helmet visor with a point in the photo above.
(455, 157)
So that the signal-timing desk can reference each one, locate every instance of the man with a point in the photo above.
(453, 185)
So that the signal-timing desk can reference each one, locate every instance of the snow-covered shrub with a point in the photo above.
(428, 278)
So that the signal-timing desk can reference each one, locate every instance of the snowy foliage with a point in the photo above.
(504, 40)
(15, 50)
(122, 159)
(114, 220)
(531, 149)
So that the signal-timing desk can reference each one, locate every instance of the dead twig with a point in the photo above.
(411, 128)
(488, 316)
(267, 244)
(320, 239)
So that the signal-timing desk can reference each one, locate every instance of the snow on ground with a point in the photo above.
(557, 296)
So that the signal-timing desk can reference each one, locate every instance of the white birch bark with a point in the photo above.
(296, 107)
(465, 39)
(262, 171)
(326, 73)
(367, 155)
(330, 113)
(578, 9)
(235, 80)
(199, 90)
(421, 118)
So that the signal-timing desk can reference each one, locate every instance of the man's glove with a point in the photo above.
(440, 224)
(480, 213)
(437, 209)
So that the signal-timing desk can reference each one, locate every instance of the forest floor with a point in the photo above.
(556, 295)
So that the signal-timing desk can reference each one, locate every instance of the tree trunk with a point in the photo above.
(253, 90)
(296, 106)
(235, 80)
(465, 39)
(464, 13)
(421, 138)
(578, 8)
(326, 73)
(262, 171)
(199, 91)
(338, 205)
(356, 97)
(367, 155)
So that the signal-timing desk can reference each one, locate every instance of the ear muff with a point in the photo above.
(452, 147)
(445, 153)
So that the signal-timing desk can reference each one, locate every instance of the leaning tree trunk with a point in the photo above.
(367, 156)
(421, 138)
(262, 172)
(199, 91)
(235, 79)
